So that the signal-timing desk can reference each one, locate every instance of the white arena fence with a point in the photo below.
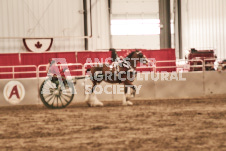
(25, 91)
(19, 70)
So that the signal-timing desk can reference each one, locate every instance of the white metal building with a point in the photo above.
(113, 23)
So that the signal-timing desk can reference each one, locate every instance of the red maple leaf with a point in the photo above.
(38, 45)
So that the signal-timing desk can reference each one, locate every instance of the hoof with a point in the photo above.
(127, 103)
(94, 104)
(88, 103)
(92, 101)
(98, 104)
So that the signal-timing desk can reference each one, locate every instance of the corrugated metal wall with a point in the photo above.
(101, 25)
(204, 25)
(50, 18)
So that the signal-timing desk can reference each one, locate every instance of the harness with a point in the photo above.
(121, 63)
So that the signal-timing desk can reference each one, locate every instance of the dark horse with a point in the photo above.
(116, 73)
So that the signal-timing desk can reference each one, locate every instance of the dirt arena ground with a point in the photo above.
(197, 124)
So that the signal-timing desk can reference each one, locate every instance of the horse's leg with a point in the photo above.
(93, 88)
(125, 99)
(92, 99)
(134, 90)
(129, 84)
(126, 91)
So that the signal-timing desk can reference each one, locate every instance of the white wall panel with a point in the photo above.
(52, 18)
(204, 25)
(100, 23)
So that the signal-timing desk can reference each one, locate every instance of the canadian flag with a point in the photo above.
(38, 44)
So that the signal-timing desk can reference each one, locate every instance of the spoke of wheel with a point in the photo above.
(46, 88)
(53, 100)
(47, 96)
(66, 95)
(64, 99)
(50, 99)
(57, 101)
(61, 101)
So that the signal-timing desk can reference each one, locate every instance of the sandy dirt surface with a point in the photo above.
(198, 124)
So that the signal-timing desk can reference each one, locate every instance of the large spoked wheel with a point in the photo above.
(55, 94)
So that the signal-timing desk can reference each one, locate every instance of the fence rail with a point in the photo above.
(24, 67)
(82, 67)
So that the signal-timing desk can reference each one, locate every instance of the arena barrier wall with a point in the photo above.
(215, 83)
(148, 90)
(18, 92)
(162, 89)
(197, 84)
(191, 87)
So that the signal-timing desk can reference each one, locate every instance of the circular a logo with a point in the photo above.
(14, 92)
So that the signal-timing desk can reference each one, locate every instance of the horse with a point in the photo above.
(116, 73)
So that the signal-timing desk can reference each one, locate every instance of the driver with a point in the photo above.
(54, 71)
(120, 61)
